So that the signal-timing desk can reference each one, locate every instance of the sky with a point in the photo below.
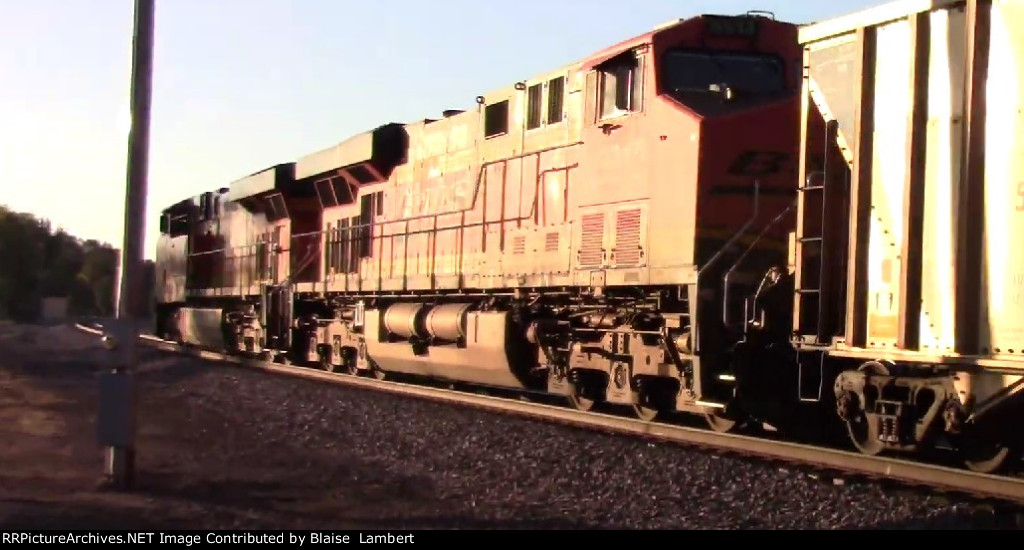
(240, 85)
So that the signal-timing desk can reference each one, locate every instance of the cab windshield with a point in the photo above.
(691, 71)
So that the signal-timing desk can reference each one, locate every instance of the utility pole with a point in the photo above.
(116, 421)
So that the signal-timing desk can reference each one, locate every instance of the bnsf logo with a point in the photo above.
(754, 164)
(758, 163)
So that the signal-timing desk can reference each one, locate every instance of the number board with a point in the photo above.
(731, 26)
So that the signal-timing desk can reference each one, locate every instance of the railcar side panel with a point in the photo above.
(892, 65)
(1003, 276)
(946, 65)
(946, 181)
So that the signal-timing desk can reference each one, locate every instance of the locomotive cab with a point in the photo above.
(699, 119)
(733, 82)
(172, 266)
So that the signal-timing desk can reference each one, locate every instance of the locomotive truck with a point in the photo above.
(703, 219)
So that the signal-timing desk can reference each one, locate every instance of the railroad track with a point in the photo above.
(825, 462)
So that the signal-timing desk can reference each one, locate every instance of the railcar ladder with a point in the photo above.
(808, 283)
(810, 254)
(812, 262)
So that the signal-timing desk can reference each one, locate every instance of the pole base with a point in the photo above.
(119, 469)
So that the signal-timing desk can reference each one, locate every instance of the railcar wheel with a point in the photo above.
(326, 365)
(863, 433)
(989, 459)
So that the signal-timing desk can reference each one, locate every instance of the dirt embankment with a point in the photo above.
(52, 466)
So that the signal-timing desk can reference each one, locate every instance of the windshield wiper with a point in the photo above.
(723, 89)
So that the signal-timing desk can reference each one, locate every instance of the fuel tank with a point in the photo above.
(466, 345)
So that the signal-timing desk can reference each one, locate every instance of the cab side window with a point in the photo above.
(620, 85)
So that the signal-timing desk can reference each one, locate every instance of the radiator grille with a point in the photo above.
(551, 242)
(592, 235)
(519, 245)
(627, 237)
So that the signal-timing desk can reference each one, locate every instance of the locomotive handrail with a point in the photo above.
(239, 255)
(479, 180)
(311, 252)
(733, 239)
(732, 269)
(350, 237)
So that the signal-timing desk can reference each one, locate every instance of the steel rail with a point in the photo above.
(935, 477)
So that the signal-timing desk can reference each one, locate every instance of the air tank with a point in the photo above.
(447, 322)
(406, 320)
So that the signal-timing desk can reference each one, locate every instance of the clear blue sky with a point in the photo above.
(242, 84)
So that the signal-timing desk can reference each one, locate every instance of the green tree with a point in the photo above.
(36, 262)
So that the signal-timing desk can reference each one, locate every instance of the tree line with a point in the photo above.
(38, 261)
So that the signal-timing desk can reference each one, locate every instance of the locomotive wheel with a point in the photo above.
(580, 403)
(720, 423)
(347, 366)
(654, 399)
(377, 372)
(577, 398)
(373, 370)
(646, 413)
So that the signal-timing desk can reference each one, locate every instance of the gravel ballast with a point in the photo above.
(221, 447)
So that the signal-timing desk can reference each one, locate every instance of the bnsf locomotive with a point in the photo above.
(733, 217)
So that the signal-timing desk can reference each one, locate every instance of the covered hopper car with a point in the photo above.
(905, 290)
(726, 216)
